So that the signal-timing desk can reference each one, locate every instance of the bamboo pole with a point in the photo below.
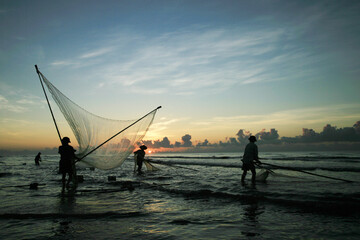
(52, 114)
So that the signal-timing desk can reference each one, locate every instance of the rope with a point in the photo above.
(170, 165)
(298, 170)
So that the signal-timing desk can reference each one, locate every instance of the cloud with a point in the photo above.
(328, 134)
(186, 140)
(264, 138)
(6, 105)
(26, 102)
(3, 100)
(162, 125)
(268, 136)
(165, 143)
(63, 63)
(97, 52)
(243, 136)
(84, 59)
(17, 122)
(148, 91)
(17, 100)
(195, 58)
(357, 127)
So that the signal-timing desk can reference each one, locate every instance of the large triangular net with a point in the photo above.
(91, 131)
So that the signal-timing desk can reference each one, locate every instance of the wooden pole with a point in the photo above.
(52, 114)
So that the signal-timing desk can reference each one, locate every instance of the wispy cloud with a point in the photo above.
(13, 103)
(210, 59)
(62, 63)
(85, 59)
(16, 122)
(6, 105)
(97, 52)
(159, 127)
(191, 59)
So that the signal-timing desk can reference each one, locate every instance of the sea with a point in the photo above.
(189, 196)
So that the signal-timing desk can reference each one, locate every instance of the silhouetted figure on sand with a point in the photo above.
(38, 159)
(139, 156)
(67, 161)
(249, 158)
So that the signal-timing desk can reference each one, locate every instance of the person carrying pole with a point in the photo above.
(249, 158)
(67, 161)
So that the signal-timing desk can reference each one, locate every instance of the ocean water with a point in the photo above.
(198, 196)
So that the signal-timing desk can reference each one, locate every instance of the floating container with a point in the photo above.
(34, 186)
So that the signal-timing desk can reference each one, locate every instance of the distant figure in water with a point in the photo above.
(250, 155)
(139, 157)
(38, 159)
(67, 161)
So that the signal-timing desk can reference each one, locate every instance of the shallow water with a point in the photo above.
(199, 198)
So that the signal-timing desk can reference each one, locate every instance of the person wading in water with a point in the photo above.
(38, 159)
(139, 156)
(249, 158)
(67, 161)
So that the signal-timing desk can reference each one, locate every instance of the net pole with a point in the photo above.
(52, 114)
(318, 175)
(117, 134)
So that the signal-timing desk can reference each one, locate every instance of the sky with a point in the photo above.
(215, 67)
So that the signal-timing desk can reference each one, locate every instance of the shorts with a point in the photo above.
(248, 166)
(65, 167)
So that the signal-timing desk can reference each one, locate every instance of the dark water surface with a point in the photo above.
(200, 197)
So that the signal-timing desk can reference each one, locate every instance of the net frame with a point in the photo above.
(92, 131)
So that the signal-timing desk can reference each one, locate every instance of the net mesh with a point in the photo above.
(90, 131)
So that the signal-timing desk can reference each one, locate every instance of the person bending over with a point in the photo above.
(139, 156)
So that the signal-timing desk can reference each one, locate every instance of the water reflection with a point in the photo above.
(66, 205)
(252, 212)
(251, 219)
(67, 201)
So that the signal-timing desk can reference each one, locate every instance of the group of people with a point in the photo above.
(250, 159)
(67, 160)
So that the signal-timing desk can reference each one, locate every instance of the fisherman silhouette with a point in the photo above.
(250, 156)
(139, 156)
(38, 159)
(67, 161)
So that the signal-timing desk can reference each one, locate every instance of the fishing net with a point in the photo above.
(150, 167)
(262, 175)
(91, 131)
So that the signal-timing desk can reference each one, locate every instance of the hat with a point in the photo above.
(252, 139)
(143, 147)
(65, 139)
